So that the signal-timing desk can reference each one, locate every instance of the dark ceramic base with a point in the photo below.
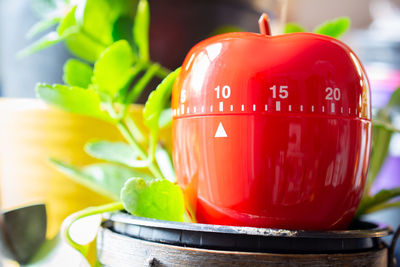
(126, 240)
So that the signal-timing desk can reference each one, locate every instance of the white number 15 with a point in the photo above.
(283, 91)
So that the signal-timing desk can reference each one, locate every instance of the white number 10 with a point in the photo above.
(226, 91)
(283, 92)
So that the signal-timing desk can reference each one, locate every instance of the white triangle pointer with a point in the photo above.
(220, 131)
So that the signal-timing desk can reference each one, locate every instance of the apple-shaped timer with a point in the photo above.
(272, 131)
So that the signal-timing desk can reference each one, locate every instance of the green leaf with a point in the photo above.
(46, 8)
(96, 18)
(158, 199)
(118, 152)
(67, 22)
(66, 28)
(369, 203)
(384, 206)
(73, 99)
(48, 40)
(165, 118)
(113, 70)
(77, 73)
(122, 29)
(293, 27)
(380, 148)
(387, 125)
(104, 178)
(84, 47)
(386, 195)
(157, 101)
(164, 161)
(41, 26)
(334, 28)
(125, 8)
(394, 100)
(92, 21)
(86, 180)
(113, 176)
(381, 135)
(141, 29)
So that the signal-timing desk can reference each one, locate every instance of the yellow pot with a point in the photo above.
(30, 133)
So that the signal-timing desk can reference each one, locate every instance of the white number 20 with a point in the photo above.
(332, 94)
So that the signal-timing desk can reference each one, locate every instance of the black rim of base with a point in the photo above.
(362, 236)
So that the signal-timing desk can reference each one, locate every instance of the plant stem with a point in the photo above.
(125, 131)
(163, 72)
(111, 111)
(134, 129)
(142, 83)
(135, 71)
(83, 249)
(131, 140)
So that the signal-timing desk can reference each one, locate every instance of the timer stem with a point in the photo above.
(263, 23)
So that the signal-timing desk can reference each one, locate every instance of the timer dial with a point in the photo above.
(272, 131)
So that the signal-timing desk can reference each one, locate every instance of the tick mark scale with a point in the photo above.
(201, 110)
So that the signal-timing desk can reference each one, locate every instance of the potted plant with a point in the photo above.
(106, 91)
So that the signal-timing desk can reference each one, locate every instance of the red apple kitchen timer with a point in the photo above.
(272, 131)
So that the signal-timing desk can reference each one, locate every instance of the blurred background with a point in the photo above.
(176, 25)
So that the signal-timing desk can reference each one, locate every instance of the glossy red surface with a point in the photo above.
(272, 131)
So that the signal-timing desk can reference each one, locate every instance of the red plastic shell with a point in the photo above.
(272, 131)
